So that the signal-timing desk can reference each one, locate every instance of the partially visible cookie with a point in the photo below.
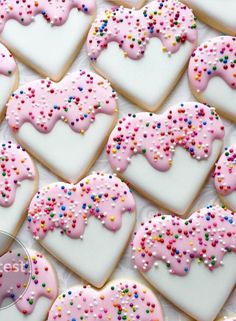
(119, 300)
(225, 177)
(212, 74)
(8, 77)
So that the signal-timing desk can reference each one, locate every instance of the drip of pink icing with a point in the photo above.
(214, 58)
(7, 62)
(225, 172)
(76, 100)
(118, 300)
(15, 166)
(208, 234)
(190, 125)
(42, 280)
(69, 207)
(169, 20)
(55, 12)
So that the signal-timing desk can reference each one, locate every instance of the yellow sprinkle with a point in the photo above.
(112, 218)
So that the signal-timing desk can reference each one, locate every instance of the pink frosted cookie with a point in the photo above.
(192, 262)
(212, 74)
(8, 77)
(136, 4)
(225, 177)
(75, 222)
(66, 124)
(45, 34)
(144, 52)
(18, 184)
(41, 288)
(175, 152)
(119, 300)
(219, 14)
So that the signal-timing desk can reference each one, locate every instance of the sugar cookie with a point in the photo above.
(144, 52)
(212, 74)
(46, 35)
(167, 157)
(192, 262)
(75, 222)
(225, 177)
(65, 125)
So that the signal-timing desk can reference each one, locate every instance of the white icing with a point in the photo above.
(7, 85)
(230, 200)
(201, 293)
(146, 81)
(176, 188)
(11, 217)
(67, 153)
(223, 12)
(97, 254)
(220, 95)
(48, 49)
(39, 313)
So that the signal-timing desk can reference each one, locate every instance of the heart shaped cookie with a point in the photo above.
(8, 78)
(75, 222)
(225, 177)
(33, 304)
(46, 35)
(65, 125)
(120, 300)
(18, 184)
(167, 157)
(144, 52)
(212, 74)
(218, 14)
(192, 262)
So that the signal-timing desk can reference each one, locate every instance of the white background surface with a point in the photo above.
(145, 209)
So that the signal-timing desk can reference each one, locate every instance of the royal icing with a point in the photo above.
(15, 166)
(225, 171)
(191, 125)
(169, 20)
(214, 58)
(7, 62)
(68, 207)
(207, 235)
(125, 300)
(76, 100)
(39, 274)
(54, 12)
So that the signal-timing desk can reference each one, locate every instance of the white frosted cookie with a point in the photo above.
(167, 157)
(85, 226)
(8, 77)
(18, 184)
(64, 125)
(118, 300)
(219, 14)
(41, 291)
(212, 74)
(225, 177)
(143, 52)
(191, 262)
(46, 35)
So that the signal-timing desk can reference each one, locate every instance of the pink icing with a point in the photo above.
(214, 58)
(225, 171)
(207, 235)
(69, 207)
(76, 100)
(43, 280)
(7, 62)
(190, 125)
(169, 20)
(124, 300)
(55, 12)
(15, 166)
